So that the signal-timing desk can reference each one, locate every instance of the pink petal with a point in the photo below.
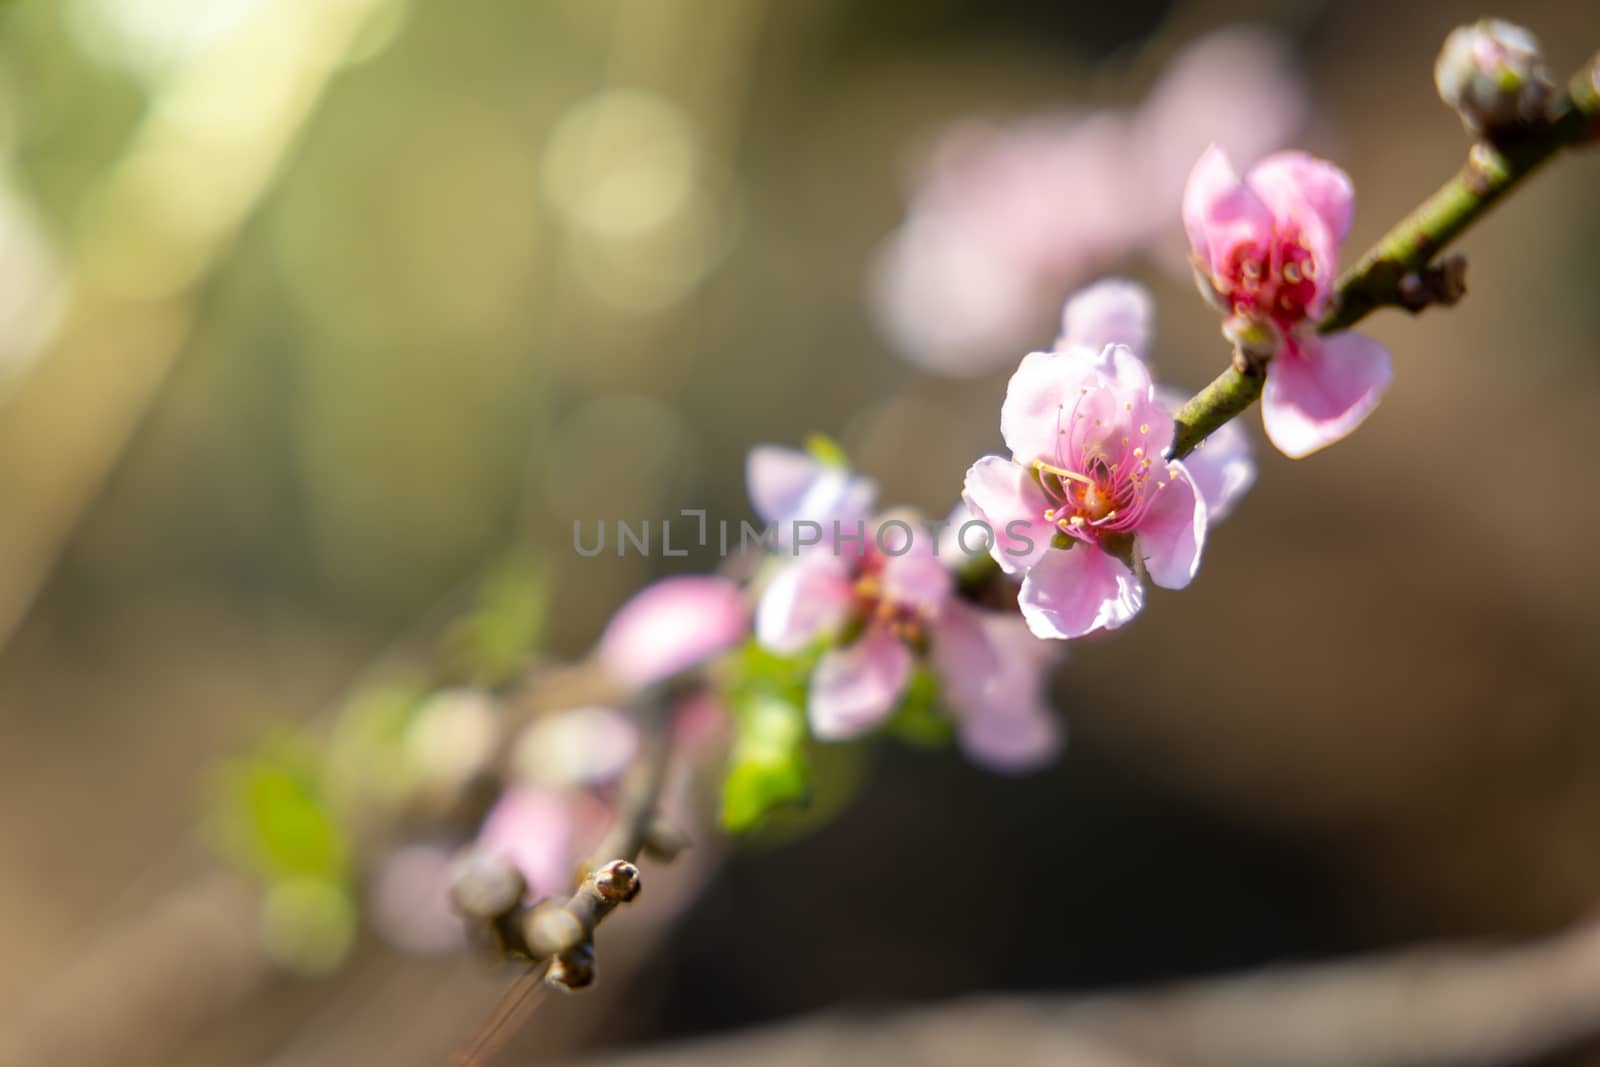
(1004, 495)
(1294, 185)
(962, 656)
(787, 484)
(1321, 388)
(1031, 412)
(1221, 214)
(1012, 743)
(1173, 532)
(918, 579)
(1072, 592)
(1113, 311)
(807, 599)
(853, 689)
(1223, 468)
(996, 692)
(672, 625)
(531, 829)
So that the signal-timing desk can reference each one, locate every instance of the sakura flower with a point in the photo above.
(1267, 247)
(671, 626)
(898, 595)
(1118, 311)
(1086, 493)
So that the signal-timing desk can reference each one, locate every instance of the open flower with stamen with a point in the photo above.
(1266, 248)
(883, 599)
(1119, 311)
(1087, 496)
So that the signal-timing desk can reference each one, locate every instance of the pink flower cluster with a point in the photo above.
(879, 602)
(1005, 218)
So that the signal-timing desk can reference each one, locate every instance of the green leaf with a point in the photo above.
(919, 719)
(505, 627)
(272, 814)
(767, 768)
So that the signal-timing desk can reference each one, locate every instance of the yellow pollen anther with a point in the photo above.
(1060, 472)
(1138, 451)
(1291, 274)
(1144, 427)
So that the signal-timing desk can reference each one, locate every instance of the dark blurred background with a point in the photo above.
(336, 300)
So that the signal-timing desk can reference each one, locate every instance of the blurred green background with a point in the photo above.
(318, 307)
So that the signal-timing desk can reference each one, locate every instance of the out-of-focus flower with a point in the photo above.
(1004, 722)
(881, 599)
(1118, 311)
(452, 739)
(1493, 75)
(1086, 491)
(1008, 217)
(896, 593)
(587, 746)
(1267, 249)
(789, 487)
(540, 832)
(671, 626)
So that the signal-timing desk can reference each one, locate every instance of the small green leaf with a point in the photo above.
(767, 768)
(273, 818)
(504, 628)
(919, 719)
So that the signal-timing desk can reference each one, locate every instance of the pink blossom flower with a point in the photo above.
(1086, 493)
(671, 626)
(1118, 311)
(897, 592)
(1267, 246)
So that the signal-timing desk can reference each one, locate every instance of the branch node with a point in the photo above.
(1443, 283)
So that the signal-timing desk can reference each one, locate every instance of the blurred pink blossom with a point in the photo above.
(1267, 246)
(1007, 218)
(587, 746)
(542, 832)
(671, 626)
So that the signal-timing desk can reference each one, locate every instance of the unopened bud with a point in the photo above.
(551, 930)
(1493, 75)
(572, 970)
(617, 882)
(484, 886)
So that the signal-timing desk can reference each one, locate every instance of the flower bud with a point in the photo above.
(485, 886)
(1493, 74)
(572, 970)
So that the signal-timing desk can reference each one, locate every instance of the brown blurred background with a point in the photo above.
(365, 298)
